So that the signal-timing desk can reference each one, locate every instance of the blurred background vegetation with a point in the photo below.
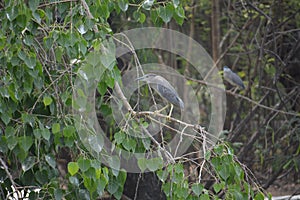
(44, 43)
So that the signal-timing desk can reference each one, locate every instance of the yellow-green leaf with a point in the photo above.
(47, 100)
(73, 168)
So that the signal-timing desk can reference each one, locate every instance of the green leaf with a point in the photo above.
(25, 142)
(55, 128)
(114, 162)
(129, 144)
(142, 163)
(21, 20)
(33, 4)
(123, 4)
(147, 143)
(179, 15)
(80, 92)
(47, 100)
(103, 9)
(84, 164)
(98, 173)
(45, 134)
(155, 164)
(30, 61)
(10, 131)
(207, 155)
(218, 187)
(224, 172)
(122, 177)
(96, 142)
(179, 168)
(5, 117)
(96, 164)
(28, 163)
(237, 194)
(4, 92)
(110, 82)
(182, 192)
(116, 74)
(101, 183)
(48, 41)
(154, 15)
(74, 180)
(12, 13)
(147, 4)
(91, 173)
(119, 137)
(175, 3)
(167, 188)
(42, 176)
(20, 153)
(93, 58)
(15, 61)
(139, 16)
(37, 16)
(51, 161)
(162, 175)
(142, 18)
(2, 42)
(28, 119)
(89, 184)
(73, 168)
(11, 143)
(166, 12)
(12, 91)
(218, 149)
(83, 194)
(102, 87)
(28, 84)
(37, 133)
(197, 188)
(259, 196)
(69, 131)
(3, 146)
(113, 186)
(59, 52)
(105, 110)
(28, 40)
(204, 197)
(58, 194)
(107, 56)
(178, 177)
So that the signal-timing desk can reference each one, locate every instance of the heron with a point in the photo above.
(233, 78)
(165, 90)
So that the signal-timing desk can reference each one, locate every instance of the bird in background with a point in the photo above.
(233, 78)
(165, 90)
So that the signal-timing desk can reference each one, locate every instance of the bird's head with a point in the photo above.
(147, 77)
(226, 69)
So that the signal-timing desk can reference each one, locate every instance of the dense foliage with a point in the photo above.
(43, 45)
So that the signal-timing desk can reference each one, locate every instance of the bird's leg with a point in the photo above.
(235, 89)
(170, 113)
(160, 110)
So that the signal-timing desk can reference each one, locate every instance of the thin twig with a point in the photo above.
(244, 97)
(8, 173)
(204, 153)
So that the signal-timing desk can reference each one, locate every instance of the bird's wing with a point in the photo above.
(234, 79)
(171, 95)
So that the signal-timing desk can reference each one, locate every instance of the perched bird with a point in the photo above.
(165, 90)
(233, 78)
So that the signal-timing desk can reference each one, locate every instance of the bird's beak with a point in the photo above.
(140, 78)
